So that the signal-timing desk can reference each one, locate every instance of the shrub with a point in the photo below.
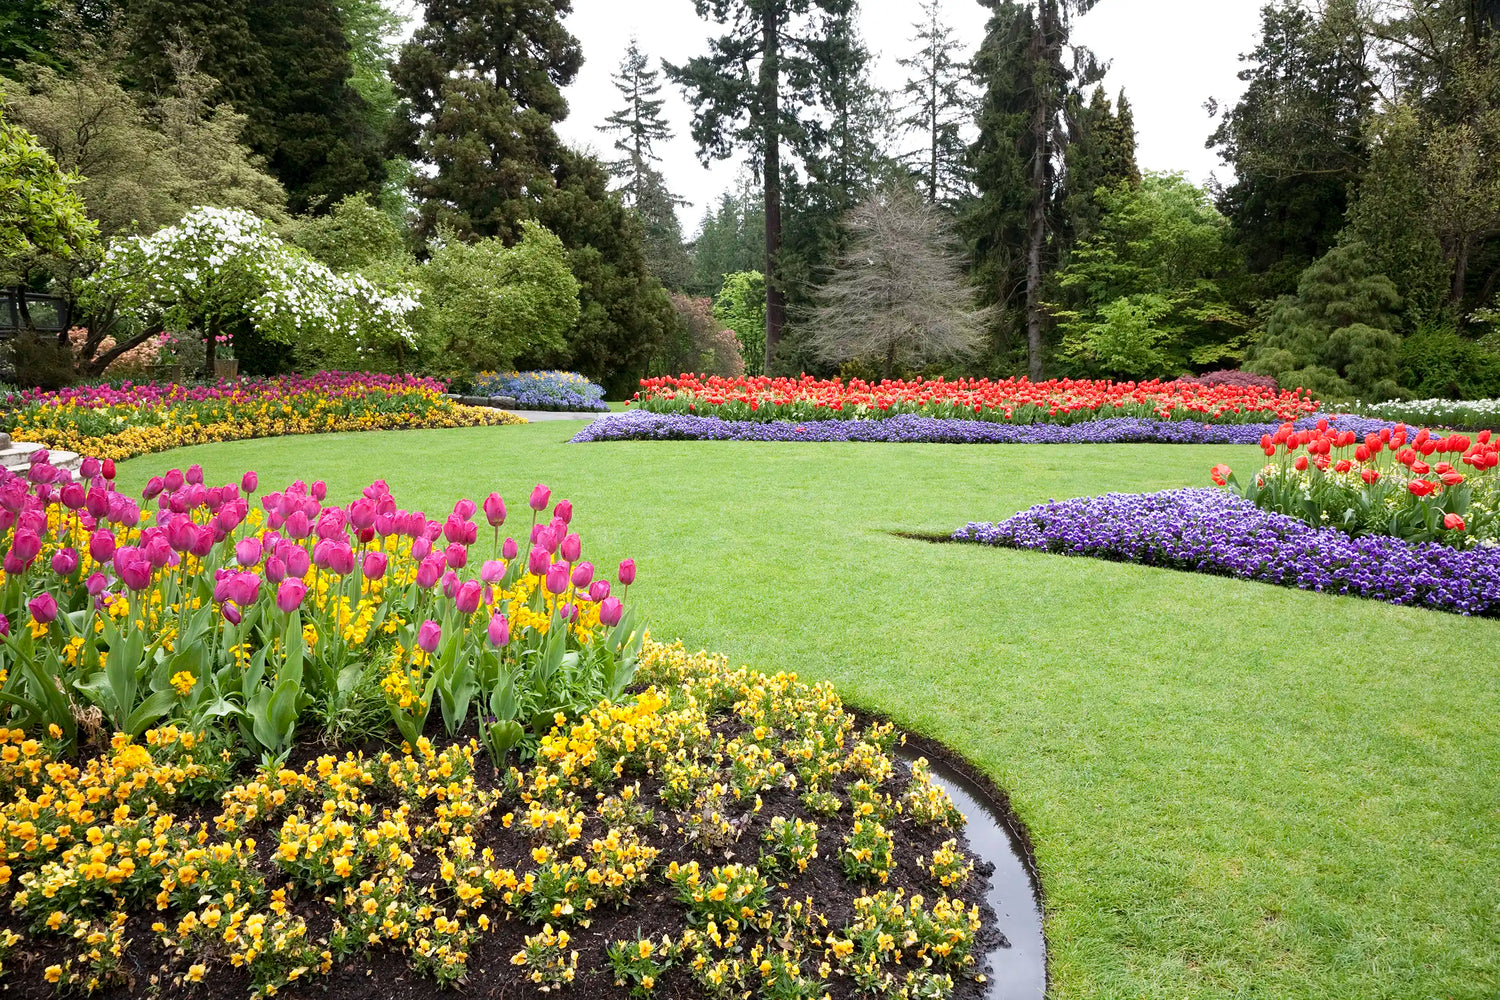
(1437, 362)
(701, 343)
(1238, 379)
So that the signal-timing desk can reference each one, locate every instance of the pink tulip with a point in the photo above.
(429, 636)
(248, 483)
(4, 625)
(290, 594)
(420, 547)
(65, 562)
(43, 608)
(247, 551)
(570, 613)
(598, 590)
(102, 545)
(494, 510)
(73, 496)
(493, 571)
(428, 572)
(538, 561)
(195, 474)
(232, 614)
(362, 514)
(564, 511)
(90, 467)
(539, 498)
(375, 565)
(275, 569)
(133, 568)
(457, 555)
(499, 630)
(464, 509)
(298, 525)
(468, 597)
(557, 578)
(96, 584)
(319, 491)
(611, 611)
(510, 549)
(298, 562)
(26, 546)
(173, 480)
(627, 572)
(583, 575)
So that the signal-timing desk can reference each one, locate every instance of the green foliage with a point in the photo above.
(939, 104)
(1101, 154)
(731, 238)
(25, 35)
(699, 342)
(1338, 337)
(1438, 363)
(41, 214)
(485, 304)
(1296, 139)
(353, 237)
(741, 306)
(1144, 296)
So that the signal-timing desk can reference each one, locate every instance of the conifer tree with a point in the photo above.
(939, 102)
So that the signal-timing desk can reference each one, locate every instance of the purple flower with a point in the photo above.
(1212, 531)
(290, 594)
(499, 630)
(557, 578)
(43, 608)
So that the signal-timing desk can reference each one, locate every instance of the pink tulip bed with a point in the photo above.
(260, 743)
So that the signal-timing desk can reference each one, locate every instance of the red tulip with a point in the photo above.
(1454, 523)
(1370, 476)
(1220, 475)
(1301, 464)
(1421, 488)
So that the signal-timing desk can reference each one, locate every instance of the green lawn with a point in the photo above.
(1235, 790)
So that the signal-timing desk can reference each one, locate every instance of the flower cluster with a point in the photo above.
(189, 603)
(1470, 415)
(281, 876)
(1011, 401)
(1212, 531)
(1399, 482)
(1233, 377)
(550, 390)
(911, 429)
(120, 423)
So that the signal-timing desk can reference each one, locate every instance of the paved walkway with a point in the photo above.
(536, 416)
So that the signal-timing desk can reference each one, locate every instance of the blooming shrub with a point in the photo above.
(1234, 377)
(1381, 483)
(543, 390)
(288, 874)
(1212, 531)
(910, 429)
(133, 420)
(1482, 414)
(1017, 401)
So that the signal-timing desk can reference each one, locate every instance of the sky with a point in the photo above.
(1170, 56)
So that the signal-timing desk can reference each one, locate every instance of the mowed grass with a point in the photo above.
(1235, 790)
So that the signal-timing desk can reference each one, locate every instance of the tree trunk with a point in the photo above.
(932, 121)
(210, 346)
(1036, 220)
(770, 82)
(24, 323)
(1460, 271)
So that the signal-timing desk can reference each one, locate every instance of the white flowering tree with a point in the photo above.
(218, 266)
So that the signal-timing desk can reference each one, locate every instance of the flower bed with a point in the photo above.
(1016, 401)
(640, 425)
(1398, 481)
(565, 391)
(207, 634)
(1211, 531)
(133, 420)
(1461, 415)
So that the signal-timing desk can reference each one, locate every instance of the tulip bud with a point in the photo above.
(509, 550)
(290, 594)
(43, 608)
(627, 572)
(493, 571)
(539, 498)
(429, 636)
(557, 578)
(564, 511)
(611, 611)
(499, 630)
(232, 614)
(375, 565)
(468, 596)
(494, 510)
(249, 482)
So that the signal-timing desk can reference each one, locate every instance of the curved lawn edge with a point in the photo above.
(639, 425)
(1212, 531)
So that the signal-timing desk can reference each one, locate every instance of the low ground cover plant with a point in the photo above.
(1404, 482)
(1017, 401)
(122, 422)
(550, 390)
(1455, 414)
(1213, 531)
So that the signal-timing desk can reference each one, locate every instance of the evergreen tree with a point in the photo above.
(1296, 139)
(481, 85)
(750, 91)
(731, 239)
(26, 34)
(1028, 78)
(1101, 154)
(641, 126)
(939, 102)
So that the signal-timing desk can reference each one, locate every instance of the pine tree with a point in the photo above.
(939, 103)
(731, 239)
(749, 91)
(1100, 154)
(639, 123)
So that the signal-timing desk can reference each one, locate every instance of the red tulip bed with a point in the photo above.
(258, 744)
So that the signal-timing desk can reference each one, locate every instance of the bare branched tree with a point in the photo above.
(899, 298)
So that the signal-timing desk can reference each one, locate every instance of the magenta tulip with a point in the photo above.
(420, 548)
(90, 467)
(510, 549)
(493, 571)
(583, 575)
(564, 511)
(248, 482)
(65, 561)
(539, 498)
(468, 597)
(557, 578)
(195, 474)
(247, 551)
(26, 546)
(4, 626)
(298, 562)
(173, 480)
(43, 608)
(627, 572)
(429, 636)
(494, 510)
(499, 630)
(232, 614)
(375, 565)
(102, 546)
(290, 594)
(96, 584)
(275, 569)
(571, 548)
(538, 561)
(457, 555)
(464, 509)
(611, 611)
(429, 570)
(319, 491)
(133, 567)
(598, 590)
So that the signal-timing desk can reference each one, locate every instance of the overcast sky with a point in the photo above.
(1171, 56)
